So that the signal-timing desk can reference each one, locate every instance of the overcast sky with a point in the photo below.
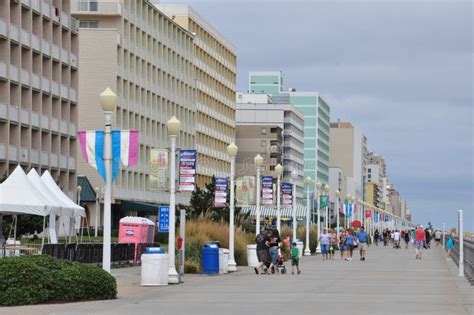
(402, 71)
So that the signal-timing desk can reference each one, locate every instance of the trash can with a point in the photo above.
(223, 260)
(210, 259)
(300, 246)
(154, 267)
(252, 260)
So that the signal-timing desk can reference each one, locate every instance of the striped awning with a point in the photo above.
(271, 211)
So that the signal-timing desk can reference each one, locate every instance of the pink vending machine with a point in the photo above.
(136, 230)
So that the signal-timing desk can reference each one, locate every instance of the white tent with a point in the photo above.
(19, 196)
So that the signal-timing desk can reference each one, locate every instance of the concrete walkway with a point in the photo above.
(388, 282)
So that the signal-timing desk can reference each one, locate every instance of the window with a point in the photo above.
(274, 130)
(264, 131)
(89, 24)
(263, 143)
(369, 170)
(88, 5)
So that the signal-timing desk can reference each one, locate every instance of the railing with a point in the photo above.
(468, 258)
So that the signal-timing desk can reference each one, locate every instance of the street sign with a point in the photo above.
(163, 219)
(324, 201)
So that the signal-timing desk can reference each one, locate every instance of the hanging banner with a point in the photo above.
(159, 169)
(187, 170)
(324, 201)
(252, 190)
(386, 218)
(287, 194)
(368, 213)
(245, 191)
(220, 193)
(267, 190)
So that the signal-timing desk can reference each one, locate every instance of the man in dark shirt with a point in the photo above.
(263, 255)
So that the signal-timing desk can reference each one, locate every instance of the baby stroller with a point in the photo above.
(281, 264)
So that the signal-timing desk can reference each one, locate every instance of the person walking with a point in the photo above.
(406, 238)
(419, 241)
(324, 242)
(437, 235)
(275, 244)
(295, 260)
(362, 238)
(428, 238)
(342, 244)
(350, 242)
(376, 237)
(263, 254)
(396, 239)
(332, 244)
(450, 243)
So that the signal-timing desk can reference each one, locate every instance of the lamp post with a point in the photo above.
(232, 150)
(97, 210)
(279, 172)
(173, 125)
(318, 219)
(78, 225)
(258, 163)
(108, 100)
(348, 197)
(326, 219)
(307, 251)
(338, 195)
(294, 176)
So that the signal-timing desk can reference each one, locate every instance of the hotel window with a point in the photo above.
(264, 131)
(263, 143)
(89, 24)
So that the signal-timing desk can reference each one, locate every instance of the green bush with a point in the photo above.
(37, 279)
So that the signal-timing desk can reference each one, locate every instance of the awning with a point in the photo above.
(87, 193)
(138, 206)
(271, 211)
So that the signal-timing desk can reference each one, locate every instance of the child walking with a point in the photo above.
(295, 260)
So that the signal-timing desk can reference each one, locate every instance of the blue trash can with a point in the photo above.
(210, 259)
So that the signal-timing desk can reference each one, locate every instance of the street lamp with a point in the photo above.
(258, 163)
(77, 225)
(359, 209)
(279, 172)
(338, 195)
(294, 176)
(108, 101)
(174, 126)
(232, 150)
(326, 191)
(307, 251)
(97, 209)
(318, 219)
(348, 197)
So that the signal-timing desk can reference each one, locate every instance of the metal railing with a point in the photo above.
(468, 257)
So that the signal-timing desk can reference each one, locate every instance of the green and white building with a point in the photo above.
(316, 119)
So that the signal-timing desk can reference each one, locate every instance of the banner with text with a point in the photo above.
(187, 170)
(245, 191)
(267, 190)
(287, 194)
(159, 169)
(220, 193)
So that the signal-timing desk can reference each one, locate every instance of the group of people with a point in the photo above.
(346, 242)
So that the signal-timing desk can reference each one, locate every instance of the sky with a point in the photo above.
(401, 71)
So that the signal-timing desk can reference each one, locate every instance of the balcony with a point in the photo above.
(14, 33)
(44, 158)
(46, 9)
(73, 60)
(26, 3)
(71, 163)
(44, 123)
(45, 85)
(72, 129)
(63, 161)
(45, 46)
(64, 19)
(55, 88)
(89, 7)
(14, 113)
(12, 153)
(74, 25)
(25, 117)
(64, 56)
(25, 38)
(3, 111)
(24, 155)
(63, 126)
(35, 123)
(55, 52)
(3, 152)
(24, 77)
(3, 70)
(73, 95)
(64, 92)
(55, 125)
(35, 5)
(13, 73)
(54, 160)
(3, 28)
(34, 156)
(35, 81)
(35, 43)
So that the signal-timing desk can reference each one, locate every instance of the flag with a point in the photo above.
(124, 149)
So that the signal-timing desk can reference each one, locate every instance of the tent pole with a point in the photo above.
(44, 231)
(14, 229)
(88, 231)
(82, 228)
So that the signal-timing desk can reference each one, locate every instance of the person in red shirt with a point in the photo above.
(419, 241)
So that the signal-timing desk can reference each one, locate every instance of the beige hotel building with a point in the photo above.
(147, 59)
(38, 88)
(215, 60)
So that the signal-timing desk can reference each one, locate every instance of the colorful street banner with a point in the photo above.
(187, 170)
(159, 169)
(245, 190)
(386, 218)
(287, 194)
(267, 190)
(324, 201)
(124, 149)
(220, 193)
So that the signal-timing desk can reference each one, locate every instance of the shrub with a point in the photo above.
(37, 279)
(301, 235)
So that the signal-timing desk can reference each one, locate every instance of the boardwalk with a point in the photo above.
(389, 282)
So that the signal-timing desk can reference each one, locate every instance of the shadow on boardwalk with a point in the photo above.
(388, 282)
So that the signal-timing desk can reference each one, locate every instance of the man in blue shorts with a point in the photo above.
(362, 239)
